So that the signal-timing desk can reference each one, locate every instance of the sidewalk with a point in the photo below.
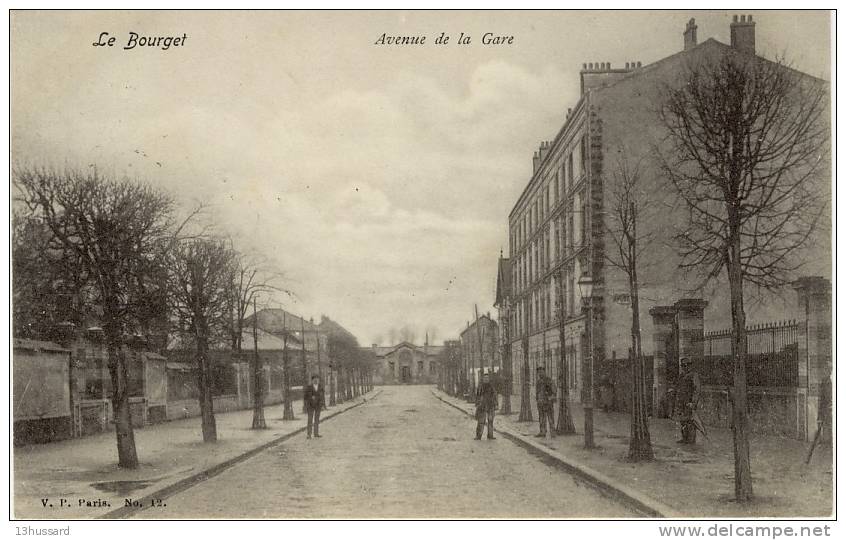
(86, 468)
(694, 481)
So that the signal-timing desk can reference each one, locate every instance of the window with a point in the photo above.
(584, 153)
(570, 169)
(578, 220)
(432, 367)
(572, 298)
(420, 366)
(557, 186)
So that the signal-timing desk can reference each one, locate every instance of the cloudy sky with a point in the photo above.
(378, 178)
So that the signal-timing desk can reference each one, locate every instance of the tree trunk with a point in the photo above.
(258, 383)
(640, 443)
(507, 369)
(288, 409)
(206, 401)
(258, 393)
(525, 388)
(565, 418)
(332, 387)
(305, 362)
(740, 422)
(127, 455)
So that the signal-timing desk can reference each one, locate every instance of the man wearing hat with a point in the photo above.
(486, 403)
(545, 396)
(686, 400)
(315, 400)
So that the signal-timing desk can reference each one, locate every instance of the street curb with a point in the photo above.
(630, 497)
(196, 478)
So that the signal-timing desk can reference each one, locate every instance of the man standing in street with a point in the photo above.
(545, 395)
(486, 404)
(686, 400)
(314, 398)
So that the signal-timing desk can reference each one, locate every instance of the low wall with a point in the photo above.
(772, 410)
(44, 430)
(187, 408)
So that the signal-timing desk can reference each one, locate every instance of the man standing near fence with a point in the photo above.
(686, 400)
(314, 400)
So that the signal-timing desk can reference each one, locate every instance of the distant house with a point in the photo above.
(480, 347)
(406, 363)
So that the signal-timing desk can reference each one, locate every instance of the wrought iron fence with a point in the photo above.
(772, 356)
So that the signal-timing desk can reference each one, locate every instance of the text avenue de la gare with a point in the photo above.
(135, 40)
(488, 38)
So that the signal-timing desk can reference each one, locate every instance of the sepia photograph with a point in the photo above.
(421, 264)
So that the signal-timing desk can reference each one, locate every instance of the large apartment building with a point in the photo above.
(557, 233)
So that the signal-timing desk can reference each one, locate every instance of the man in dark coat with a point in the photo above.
(315, 400)
(545, 396)
(486, 404)
(686, 400)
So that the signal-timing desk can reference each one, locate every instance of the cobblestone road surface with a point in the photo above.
(404, 454)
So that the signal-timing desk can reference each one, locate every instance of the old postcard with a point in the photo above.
(421, 264)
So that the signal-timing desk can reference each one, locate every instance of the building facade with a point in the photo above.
(406, 363)
(480, 350)
(558, 230)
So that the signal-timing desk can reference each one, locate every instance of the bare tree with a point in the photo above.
(50, 285)
(627, 204)
(525, 387)
(746, 146)
(114, 229)
(251, 277)
(200, 273)
(565, 418)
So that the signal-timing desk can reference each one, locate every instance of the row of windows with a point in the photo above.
(550, 195)
(558, 241)
(539, 309)
(433, 367)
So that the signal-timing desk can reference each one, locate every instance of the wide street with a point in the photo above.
(404, 454)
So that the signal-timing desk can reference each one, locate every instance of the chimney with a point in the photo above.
(690, 35)
(743, 34)
(597, 74)
(535, 162)
(543, 151)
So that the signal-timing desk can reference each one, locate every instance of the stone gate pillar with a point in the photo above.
(814, 306)
(690, 321)
(663, 319)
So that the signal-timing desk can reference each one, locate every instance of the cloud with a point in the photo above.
(384, 204)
